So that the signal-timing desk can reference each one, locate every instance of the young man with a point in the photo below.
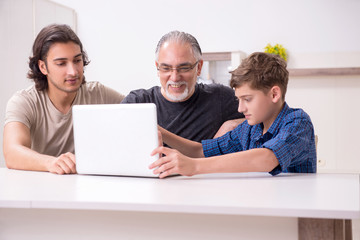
(38, 132)
(274, 138)
(193, 111)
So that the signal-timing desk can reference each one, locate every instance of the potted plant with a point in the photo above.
(276, 49)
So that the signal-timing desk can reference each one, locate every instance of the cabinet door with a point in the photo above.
(20, 22)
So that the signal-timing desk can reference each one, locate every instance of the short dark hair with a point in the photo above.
(49, 35)
(261, 71)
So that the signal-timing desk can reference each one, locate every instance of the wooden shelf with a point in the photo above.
(217, 56)
(302, 72)
(294, 72)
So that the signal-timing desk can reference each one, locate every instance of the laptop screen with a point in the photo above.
(115, 139)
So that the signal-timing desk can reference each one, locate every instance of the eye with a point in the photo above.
(60, 64)
(78, 60)
(183, 69)
(165, 68)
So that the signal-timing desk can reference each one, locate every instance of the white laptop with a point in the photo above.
(115, 139)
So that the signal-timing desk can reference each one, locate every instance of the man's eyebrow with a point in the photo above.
(59, 59)
(179, 65)
(62, 59)
(164, 64)
(184, 64)
(246, 95)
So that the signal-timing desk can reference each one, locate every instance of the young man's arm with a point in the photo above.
(254, 160)
(18, 155)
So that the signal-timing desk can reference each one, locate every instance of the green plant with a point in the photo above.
(276, 49)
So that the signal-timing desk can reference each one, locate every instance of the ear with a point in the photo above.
(42, 67)
(199, 67)
(275, 92)
(157, 65)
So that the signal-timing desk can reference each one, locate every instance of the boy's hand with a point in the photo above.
(172, 163)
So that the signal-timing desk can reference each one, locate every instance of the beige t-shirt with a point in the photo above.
(52, 131)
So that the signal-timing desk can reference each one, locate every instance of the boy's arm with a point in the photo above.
(254, 160)
(183, 145)
(18, 155)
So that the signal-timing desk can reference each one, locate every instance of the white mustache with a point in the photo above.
(175, 83)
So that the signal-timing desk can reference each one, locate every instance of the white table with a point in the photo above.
(39, 205)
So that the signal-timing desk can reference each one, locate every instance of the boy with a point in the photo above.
(274, 138)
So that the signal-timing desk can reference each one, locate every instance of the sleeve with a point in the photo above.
(112, 96)
(230, 104)
(132, 97)
(228, 143)
(291, 143)
(140, 96)
(18, 109)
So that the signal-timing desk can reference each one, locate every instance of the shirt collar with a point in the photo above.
(275, 125)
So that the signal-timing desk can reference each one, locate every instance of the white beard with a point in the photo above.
(180, 97)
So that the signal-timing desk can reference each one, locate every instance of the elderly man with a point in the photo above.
(184, 107)
(38, 132)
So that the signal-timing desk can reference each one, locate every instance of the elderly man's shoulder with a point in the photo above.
(215, 88)
(142, 95)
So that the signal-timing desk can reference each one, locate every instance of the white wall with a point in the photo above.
(120, 38)
(15, 45)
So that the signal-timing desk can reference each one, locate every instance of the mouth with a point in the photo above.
(176, 87)
(72, 81)
(176, 91)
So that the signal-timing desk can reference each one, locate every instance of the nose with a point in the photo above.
(174, 75)
(242, 107)
(71, 70)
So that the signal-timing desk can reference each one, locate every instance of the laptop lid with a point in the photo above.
(115, 139)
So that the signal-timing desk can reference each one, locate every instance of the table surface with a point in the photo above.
(255, 194)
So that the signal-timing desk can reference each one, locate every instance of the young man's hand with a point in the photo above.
(172, 163)
(63, 164)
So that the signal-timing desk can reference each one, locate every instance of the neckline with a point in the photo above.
(50, 104)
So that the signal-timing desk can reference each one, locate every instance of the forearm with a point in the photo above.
(23, 158)
(17, 151)
(254, 160)
(185, 146)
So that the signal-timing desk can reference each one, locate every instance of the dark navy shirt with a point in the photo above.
(290, 137)
(197, 118)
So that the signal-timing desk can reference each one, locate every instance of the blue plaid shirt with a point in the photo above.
(290, 137)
